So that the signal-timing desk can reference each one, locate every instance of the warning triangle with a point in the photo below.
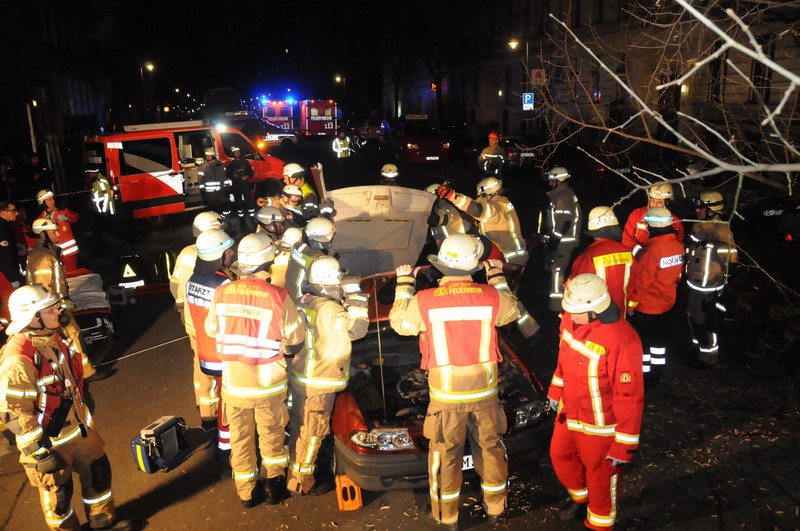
(128, 272)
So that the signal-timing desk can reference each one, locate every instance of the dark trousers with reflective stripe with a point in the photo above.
(705, 321)
(652, 329)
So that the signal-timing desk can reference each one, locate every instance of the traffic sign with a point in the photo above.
(538, 78)
(527, 101)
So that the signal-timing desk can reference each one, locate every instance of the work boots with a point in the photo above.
(275, 490)
(571, 510)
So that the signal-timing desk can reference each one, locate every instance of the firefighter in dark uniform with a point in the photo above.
(214, 184)
(561, 239)
(240, 172)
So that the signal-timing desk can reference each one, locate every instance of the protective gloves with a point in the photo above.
(350, 284)
(445, 192)
(616, 462)
(326, 207)
(553, 404)
(49, 462)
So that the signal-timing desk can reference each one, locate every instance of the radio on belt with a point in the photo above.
(161, 445)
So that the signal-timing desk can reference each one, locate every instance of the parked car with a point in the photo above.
(277, 136)
(372, 129)
(522, 152)
(418, 140)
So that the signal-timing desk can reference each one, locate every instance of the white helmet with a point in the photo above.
(661, 191)
(658, 217)
(389, 171)
(712, 200)
(25, 303)
(292, 189)
(431, 188)
(602, 216)
(211, 151)
(206, 221)
(586, 293)
(291, 236)
(325, 271)
(290, 169)
(457, 256)
(212, 244)
(255, 250)
(559, 173)
(41, 225)
(489, 185)
(269, 214)
(42, 195)
(320, 230)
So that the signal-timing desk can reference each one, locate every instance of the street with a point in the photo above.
(718, 446)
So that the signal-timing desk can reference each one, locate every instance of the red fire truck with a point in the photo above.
(318, 117)
(281, 113)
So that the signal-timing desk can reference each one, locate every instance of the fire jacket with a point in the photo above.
(184, 268)
(255, 324)
(33, 375)
(457, 336)
(310, 201)
(64, 219)
(212, 176)
(598, 382)
(240, 169)
(46, 269)
(199, 294)
(710, 249)
(300, 261)
(564, 215)
(497, 219)
(609, 260)
(655, 275)
(341, 146)
(331, 326)
(103, 195)
(636, 234)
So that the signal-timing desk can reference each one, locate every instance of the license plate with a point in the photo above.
(431, 158)
(527, 154)
(467, 464)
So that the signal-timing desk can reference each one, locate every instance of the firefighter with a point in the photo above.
(341, 145)
(491, 159)
(335, 313)
(214, 184)
(205, 386)
(458, 341)
(561, 236)
(292, 204)
(102, 193)
(44, 267)
(214, 253)
(598, 396)
(389, 175)
(710, 251)
(270, 220)
(495, 217)
(606, 257)
(318, 235)
(283, 253)
(240, 173)
(64, 218)
(652, 290)
(312, 206)
(256, 326)
(43, 403)
(446, 219)
(10, 274)
(636, 234)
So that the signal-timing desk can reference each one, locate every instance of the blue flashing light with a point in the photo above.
(290, 101)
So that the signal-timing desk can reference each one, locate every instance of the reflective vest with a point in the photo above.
(103, 196)
(199, 294)
(300, 260)
(609, 260)
(212, 176)
(655, 275)
(341, 146)
(564, 215)
(184, 268)
(66, 242)
(711, 248)
(635, 234)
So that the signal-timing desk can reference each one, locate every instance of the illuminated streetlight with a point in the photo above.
(177, 91)
(150, 67)
(513, 43)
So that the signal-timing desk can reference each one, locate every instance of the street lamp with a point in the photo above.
(514, 43)
(150, 67)
(341, 79)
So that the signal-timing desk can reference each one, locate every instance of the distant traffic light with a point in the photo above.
(434, 87)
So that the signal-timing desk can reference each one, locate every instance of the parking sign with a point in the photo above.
(527, 101)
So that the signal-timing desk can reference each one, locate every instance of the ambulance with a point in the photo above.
(318, 117)
(153, 168)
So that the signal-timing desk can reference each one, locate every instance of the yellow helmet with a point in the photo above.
(712, 200)
(658, 217)
(559, 173)
(211, 151)
(43, 224)
(390, 171)
(42, 195)
(661, 191)
(586, 293)
(489, 185)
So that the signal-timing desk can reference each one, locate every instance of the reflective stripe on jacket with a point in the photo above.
(564, 215)
(709, 252)
(199, 294)
(45, 268)
(609, 260)
(636, 233)
(184, 268)
(498, 221)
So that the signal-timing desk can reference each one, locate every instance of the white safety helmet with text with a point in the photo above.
(212, 244)
(558, 173)
(457, 256)
(24, 305)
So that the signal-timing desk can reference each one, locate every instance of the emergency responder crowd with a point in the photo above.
(271, 320)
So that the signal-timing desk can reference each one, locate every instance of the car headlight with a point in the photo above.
(412, 146)
(529, 413)
(388, 440)
(446, 145)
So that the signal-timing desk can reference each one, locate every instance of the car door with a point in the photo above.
(150, 183)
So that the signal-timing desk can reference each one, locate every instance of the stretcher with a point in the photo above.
(92, 309)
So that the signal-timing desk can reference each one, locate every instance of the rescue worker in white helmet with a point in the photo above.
(710, 251)
(215, 184)
(389, 175)
(461, 358)
(283, 253)
(492, 157)
(561, 228)
(43, 404)
(446, 218)
(597, 394)
(606, 257)
(206, 394)
(64, 218)
(44, 267)
(652, 290)
(270, 220)
(256, 326)
(214, 253)
(318, 236)
(635, 234)
(495, 217)
(335, 313)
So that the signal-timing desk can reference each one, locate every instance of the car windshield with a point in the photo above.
(421, 129)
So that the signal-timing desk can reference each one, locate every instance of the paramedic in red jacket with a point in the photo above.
(635, 235)
(598, 395)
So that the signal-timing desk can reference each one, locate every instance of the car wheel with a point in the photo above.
(155, 222)
(287, 143)
(326, 459)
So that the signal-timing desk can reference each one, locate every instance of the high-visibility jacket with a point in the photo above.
(635, 233)
(710, 249)
(66, 241)
(497, 219)
(457, 336)
(253, 322)
(45, 268)
(341, 146)
(300, 260)
(212, 176)
(33, 386)
(563, 219)
(310, 201)
(103, 195)
(331, 326)
(199, 294)
(598, 382)
(184, 268)
(609, 260)
(655, 275)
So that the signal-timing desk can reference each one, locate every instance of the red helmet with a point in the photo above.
(494, 135)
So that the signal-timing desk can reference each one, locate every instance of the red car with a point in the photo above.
(421, 141)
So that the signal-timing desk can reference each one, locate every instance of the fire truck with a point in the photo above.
(318, 117)
(153, 168)
(281, 113)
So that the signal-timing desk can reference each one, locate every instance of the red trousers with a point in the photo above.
(580, 464)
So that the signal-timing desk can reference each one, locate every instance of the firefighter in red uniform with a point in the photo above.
(213, 251)
(635, 234)
(606, 257)
(598, 395)
(64, 218)
(42, 402)
(652, 290)
(256, 325)
(458, 341)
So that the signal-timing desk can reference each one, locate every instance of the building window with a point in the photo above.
(760, 74)
(717, 69)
